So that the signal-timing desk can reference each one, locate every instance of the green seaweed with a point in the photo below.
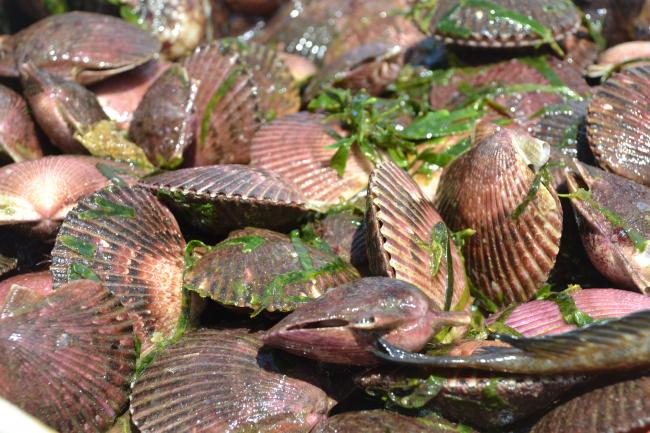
(83, 248)
(414, 393)
(112, 173)
(571, 314)
(493, 397)
(248, 243)
(79, 271)
(218, 95)
(543, 176)
(107, 209)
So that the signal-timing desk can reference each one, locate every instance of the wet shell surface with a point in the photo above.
(223, 381)
(7, 264)
(617, 124)
(261, 269)
(545, 317)
(511, 255)
(614, 222)
(67, 358)
(378, 421)
(41, 192)
(40, 283)
(222, 198)
(623, 407)
(407, 239)
(126, 239)
(343, 325)
(108, 46)
(345, 233)
(294, 147)
(18, 140)
(227, 106)
(488, 24)
(163, 123)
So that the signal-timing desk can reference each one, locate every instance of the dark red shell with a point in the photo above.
(18, 138)
(38, 282)
(125, 238)
(221, 198)
(379, 421)
(223, 381)
(617, 124)
(68, 358)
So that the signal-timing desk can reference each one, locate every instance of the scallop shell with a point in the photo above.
(400, 223)
(226, 106)
(163, 123)
(476, 26)
(345, 233)
(294, 147)
(223, 381)
(221, 198)
(125, 238)
(617, 124)
(537, 318)
(106, 47)
(621, 407)
(261, 269)
(40, 283)
(608, 246)
(378, 421)
(18, 138)
(41, 192)
(343, 325)
(508, 258)
(68, 358)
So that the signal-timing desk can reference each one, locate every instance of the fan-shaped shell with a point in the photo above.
(40, 283)
(17, 134)
(509, 257)
(400, 224)
(226, 106)
(538, 318)
(617, 124)
(345, 233)
(294, 147)
(221, 198)
(41, 192)
(475, 24)
(622, 407)
(68, 358)
(107, 46)
(223, 381)
(125, 238)
(261, 269)
(378, 421)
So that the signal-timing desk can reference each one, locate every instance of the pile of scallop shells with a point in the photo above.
(304, 216)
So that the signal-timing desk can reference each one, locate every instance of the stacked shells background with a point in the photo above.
(304, 216)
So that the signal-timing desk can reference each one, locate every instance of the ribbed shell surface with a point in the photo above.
(376, 421)
(125, 238)
(18, 137)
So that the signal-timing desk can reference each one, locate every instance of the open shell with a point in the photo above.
(126, 239)
(108, 46)
(509, 257)
(621, 407)
(617, 124)
(221, 198)
(226, 106)
(261, 269)
(67, 358)
(400, 224)
(223, 381)
(294, 147)
(18, 138)
(477, 26)
(609, 246)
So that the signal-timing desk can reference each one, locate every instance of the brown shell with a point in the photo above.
(226, 106)
(278, 93)
(40, 283)
(379, 421)
(561, 17)
(261, 269)
(41, 192)
(106, 47)
(68, 358)
(508, 258)
(125, 238)
(223, 381)
(163, 123)
(617, 124)
(400, 221)
(623, 407)
(221, 198)
(345, 233)
(609, 248)
(537, 318)
(61, 108)
(294, 147)
(18, 138)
